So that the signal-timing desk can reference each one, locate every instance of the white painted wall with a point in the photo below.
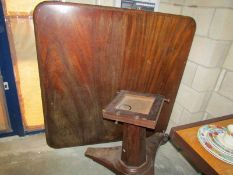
(206, 90)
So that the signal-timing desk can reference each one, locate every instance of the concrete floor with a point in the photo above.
(30, 155)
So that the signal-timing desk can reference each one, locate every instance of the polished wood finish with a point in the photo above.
(185, 140)
(134, 145)
(87, 53)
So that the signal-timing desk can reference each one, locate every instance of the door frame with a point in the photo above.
(11, 95)
(7, 72)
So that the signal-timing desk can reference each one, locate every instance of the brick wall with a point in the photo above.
(206, 90)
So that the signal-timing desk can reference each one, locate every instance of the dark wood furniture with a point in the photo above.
(87, 53)
(184, 138)
(140, 109)
(137, 111)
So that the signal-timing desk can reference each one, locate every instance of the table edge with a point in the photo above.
(195, 160)
(203, 122)
(186, 150)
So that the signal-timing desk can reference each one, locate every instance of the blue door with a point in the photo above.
(8, 85)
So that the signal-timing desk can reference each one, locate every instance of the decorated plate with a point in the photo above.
(215, 133)
(203, 134)
(219, 139)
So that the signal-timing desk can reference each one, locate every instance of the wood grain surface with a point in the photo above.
(185, 138)
(88, 53)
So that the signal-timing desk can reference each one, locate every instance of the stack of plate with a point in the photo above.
(211, 138)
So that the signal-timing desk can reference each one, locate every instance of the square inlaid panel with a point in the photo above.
(136, 103)
(135, 108)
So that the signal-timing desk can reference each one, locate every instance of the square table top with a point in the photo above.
(185, 139)
(87, 53)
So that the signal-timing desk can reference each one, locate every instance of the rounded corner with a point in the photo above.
(51, 145)
(192, 21)
(38, 8)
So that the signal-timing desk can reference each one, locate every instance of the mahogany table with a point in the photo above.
(184, 138)
(87, 53)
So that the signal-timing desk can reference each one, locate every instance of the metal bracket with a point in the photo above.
(6, 86)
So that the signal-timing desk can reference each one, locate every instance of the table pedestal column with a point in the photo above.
(136, 156)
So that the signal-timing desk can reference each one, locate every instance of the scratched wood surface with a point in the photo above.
(88, 53)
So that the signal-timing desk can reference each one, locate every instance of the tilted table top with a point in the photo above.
(87, 53)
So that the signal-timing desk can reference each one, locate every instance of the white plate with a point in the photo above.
(202, 137)
(212, 138)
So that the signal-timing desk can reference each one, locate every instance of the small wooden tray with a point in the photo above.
(140, 109)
